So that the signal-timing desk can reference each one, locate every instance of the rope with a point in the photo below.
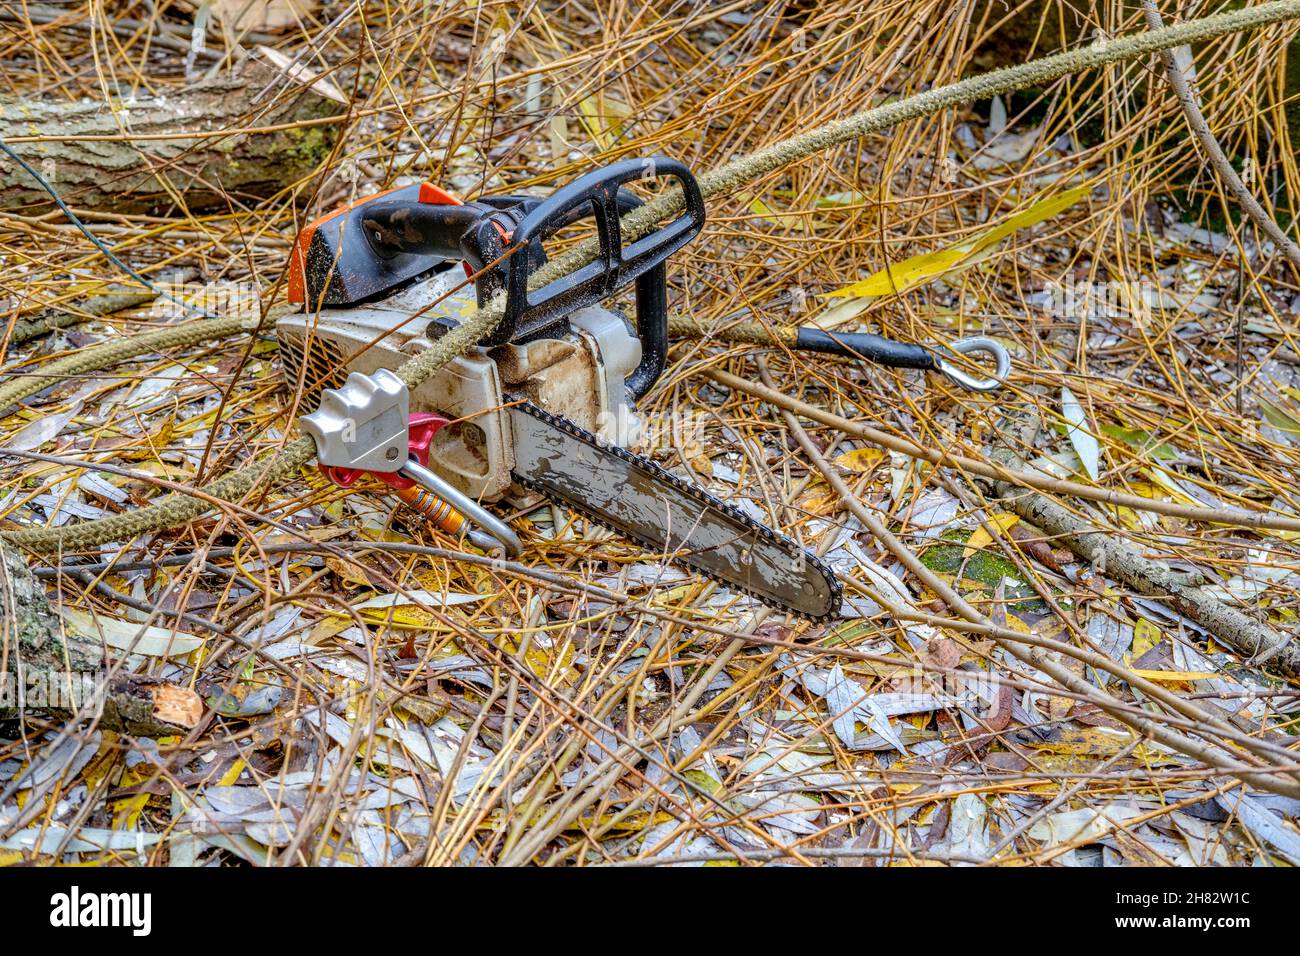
(270, 469)
(85, 361)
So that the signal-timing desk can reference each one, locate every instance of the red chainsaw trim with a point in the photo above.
(424, 425)
(429, 195)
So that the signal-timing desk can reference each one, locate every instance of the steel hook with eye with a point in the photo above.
(977, 343)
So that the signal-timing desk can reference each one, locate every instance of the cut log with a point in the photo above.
(146, 175)
(57, 670)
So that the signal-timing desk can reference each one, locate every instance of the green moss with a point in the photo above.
(983, 571)
(306, 146)
(946, 558)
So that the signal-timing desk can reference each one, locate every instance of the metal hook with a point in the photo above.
(978, 343)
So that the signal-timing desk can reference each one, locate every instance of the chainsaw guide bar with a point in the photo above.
(632, 496)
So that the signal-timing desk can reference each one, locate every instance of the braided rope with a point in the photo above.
(85, 361)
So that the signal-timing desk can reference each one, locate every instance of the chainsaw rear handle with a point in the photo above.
(397, 227)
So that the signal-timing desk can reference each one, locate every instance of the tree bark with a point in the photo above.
(150, 175)
(38, 650)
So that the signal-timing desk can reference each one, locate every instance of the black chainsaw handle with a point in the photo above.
(438, 230)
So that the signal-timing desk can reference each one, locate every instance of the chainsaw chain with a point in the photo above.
(789, 546)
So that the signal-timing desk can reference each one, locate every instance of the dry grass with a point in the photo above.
(546, 723)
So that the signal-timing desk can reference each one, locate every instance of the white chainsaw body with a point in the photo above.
(579, 375)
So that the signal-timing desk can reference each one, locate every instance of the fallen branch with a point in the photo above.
(1040, 482)
(1032, 650)
(1234, 628)
(1119, 559)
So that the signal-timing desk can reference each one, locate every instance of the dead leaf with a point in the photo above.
(177, 705)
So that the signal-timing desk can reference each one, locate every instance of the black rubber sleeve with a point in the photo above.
(422, 229)
(865, 345)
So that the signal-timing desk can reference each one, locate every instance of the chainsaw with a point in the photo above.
(545, 406)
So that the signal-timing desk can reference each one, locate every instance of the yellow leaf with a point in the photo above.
(104, 762)
(842, 312)
(1086, 742)
(548, 663)
(558, 128)
(852, 198)
(861, 460)
(822, 504)
(760, 208)
(765, 212)
(619, 823)
(404, 618)
(1174, 676)
(230, 776)
(1167, 482)
(127, 810)
(908, 274)
(982, 539)
(590, 109)
(329, 626)
(929, 266)
(401, 610)
(1145, 636)
(1279, 417)
(603, 117)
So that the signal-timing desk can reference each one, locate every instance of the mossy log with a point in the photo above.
(38, 650)
(143, 173)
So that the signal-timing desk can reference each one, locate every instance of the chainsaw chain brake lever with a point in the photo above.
(883, 351)
(365, 427)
